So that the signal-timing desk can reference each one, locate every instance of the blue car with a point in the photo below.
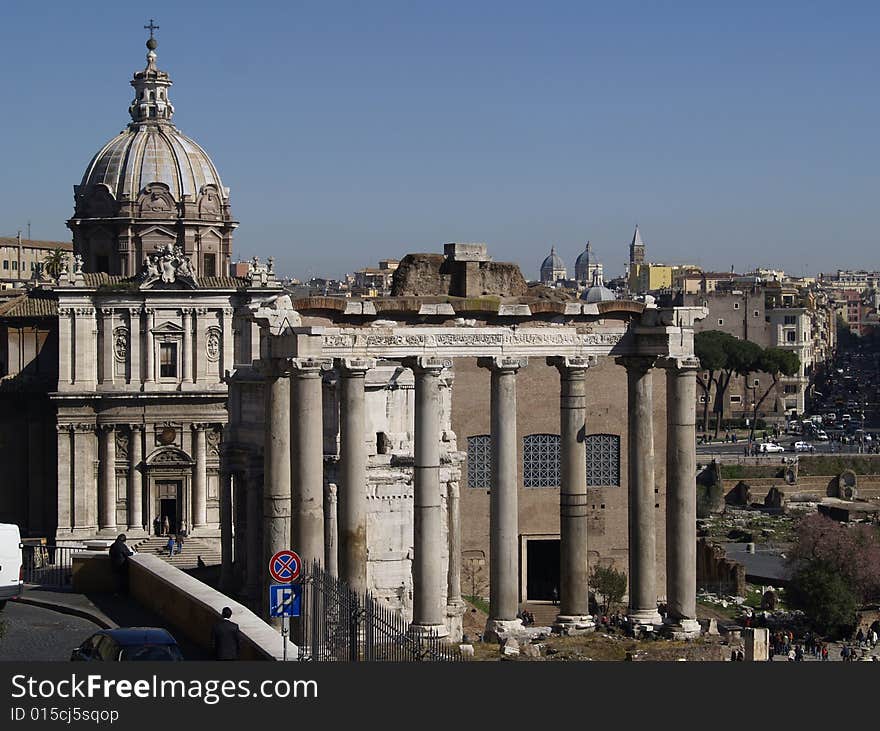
(128, 643)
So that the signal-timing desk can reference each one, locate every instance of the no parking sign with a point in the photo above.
(285, 566)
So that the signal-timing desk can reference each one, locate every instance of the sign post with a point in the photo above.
(285, 597)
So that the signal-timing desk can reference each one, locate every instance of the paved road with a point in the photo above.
(34, 633)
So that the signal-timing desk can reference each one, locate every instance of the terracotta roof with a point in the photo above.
(96, 279)
(49, 245)
(222, 282)
(37, 303)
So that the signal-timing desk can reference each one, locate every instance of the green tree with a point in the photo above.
(54, 260)
(825, 596)
(609, 584)
(776, 362)
(709, 348)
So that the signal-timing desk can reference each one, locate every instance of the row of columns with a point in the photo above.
(293, 485)
(680, 495)
(76, 464)
(293, 492)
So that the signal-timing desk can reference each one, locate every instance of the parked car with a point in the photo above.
(11, 567)
(770, 448)
(802, 447)
(821, 435)
(128, 643)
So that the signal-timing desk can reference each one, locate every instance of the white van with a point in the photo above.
(11, 573)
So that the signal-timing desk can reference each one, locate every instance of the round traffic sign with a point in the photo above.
(284, 566)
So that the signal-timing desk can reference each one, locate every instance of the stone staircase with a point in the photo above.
(545, 614)
(188, 557)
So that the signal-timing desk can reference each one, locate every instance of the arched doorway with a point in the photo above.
(169, 485)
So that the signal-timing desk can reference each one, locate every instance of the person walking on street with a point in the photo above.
(224, 637)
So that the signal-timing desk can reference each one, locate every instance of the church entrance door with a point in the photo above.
(168, 503)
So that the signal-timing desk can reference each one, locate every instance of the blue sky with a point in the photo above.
(742, 134)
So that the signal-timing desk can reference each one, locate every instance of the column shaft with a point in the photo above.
(453, 522)
(574, 606)
(64, 481)
(352, 505)
(276, 476)
(428, 608)
(681, 496)
(135, 497)
(307, 462)
(107, 342)
(503, 497)
(200, 478)
(107, 498)
(187, 370)
(149, 350)
(642, 513)
(226, 488)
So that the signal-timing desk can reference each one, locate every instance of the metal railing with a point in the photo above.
(48, 565)
(340, 625)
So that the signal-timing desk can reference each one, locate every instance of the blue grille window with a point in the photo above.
(603, 460)
(541, 460)
(479, 461)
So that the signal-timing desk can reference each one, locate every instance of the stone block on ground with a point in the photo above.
(510, 647)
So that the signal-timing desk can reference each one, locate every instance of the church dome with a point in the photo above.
(586, 264)
(553, 262)
(145, 154)
(151, 151)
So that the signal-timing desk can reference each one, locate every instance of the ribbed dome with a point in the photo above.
(585, 258)
(553, 261)
(151, 153)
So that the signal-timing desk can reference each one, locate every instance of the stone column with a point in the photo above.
(331, 544)
(65, 502)
(149, 348)
(85, 493)
(200, 478)
(228, 342)
(307, 458)
(226, 486)
(574, 605)
(107, 487)
(503, 498)
(188, 370)
(134, 346)
(256, 556)
(454, 603)
(428, 609)
(276, 474)
(65, 336)
(642, 513)
(353, 473)
(681, 496)
(135, 496)
(107, 343)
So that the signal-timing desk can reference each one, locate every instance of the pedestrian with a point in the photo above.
(824, 653)
(182, 531)
(178, 544)
(791, 655)
(157, 526)
(224, 637)
(170, 545)
(119, 554)
(166, 526)
(555, 596)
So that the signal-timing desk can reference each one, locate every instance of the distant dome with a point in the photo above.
(598, 292)
(586, 264)
(552, 268)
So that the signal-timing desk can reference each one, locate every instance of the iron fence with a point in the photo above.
(340, 625)
(48, 565)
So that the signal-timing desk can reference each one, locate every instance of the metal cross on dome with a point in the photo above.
(151, 27)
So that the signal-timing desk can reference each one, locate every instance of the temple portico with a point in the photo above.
(305, 339)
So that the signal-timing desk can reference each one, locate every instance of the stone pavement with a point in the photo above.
(34, 633)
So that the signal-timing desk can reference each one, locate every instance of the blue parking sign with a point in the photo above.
(285, 600)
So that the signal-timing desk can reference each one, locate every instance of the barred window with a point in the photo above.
(603, 460)
(541, 460)
(479, 461)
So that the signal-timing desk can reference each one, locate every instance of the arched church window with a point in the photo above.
(479, 461)
(541, 460)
